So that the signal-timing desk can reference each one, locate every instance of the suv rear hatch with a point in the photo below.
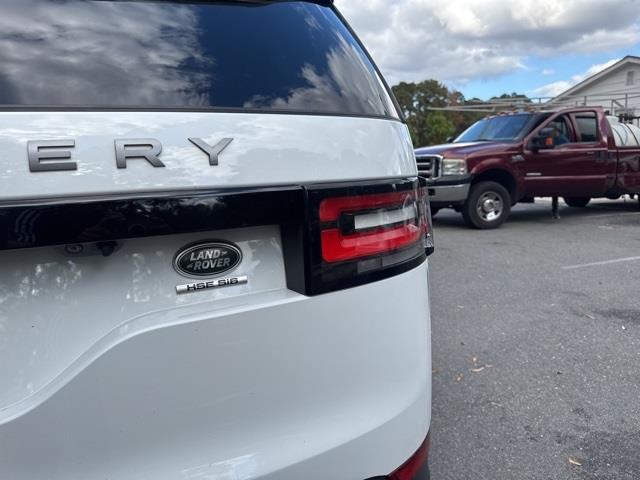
(131, 130)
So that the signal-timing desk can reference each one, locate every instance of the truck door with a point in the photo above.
(574, 163)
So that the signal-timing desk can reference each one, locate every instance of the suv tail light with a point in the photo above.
(365, 225)
(360, 233)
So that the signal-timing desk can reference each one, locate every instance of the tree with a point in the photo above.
(516, 98)
(462, 120)
(427, 127)
(439, 127)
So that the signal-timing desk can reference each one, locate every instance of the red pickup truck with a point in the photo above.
(575, 153)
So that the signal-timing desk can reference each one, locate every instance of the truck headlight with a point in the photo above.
(451, 166)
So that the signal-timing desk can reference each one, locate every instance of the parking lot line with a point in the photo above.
(605, 262)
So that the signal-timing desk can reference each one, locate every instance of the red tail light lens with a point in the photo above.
(356, 234)
(367, 225)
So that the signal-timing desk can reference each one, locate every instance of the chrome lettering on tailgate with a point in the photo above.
(55, 155)
(209, 284)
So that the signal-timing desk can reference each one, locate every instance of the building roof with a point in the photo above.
(629, 59)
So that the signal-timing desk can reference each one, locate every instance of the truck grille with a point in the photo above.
(428, 166)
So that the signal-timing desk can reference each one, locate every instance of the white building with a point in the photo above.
(616, 89)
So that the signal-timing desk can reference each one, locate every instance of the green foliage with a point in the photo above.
(513, 96)
(427, 127)
(439, 127)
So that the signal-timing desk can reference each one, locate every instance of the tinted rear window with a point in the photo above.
(279, 56)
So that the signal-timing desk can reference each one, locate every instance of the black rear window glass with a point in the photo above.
(284, 56)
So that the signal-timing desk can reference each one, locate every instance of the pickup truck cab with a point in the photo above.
(575, 153)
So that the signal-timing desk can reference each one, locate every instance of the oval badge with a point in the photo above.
(207, 259)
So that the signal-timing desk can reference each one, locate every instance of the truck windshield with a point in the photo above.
(503, 128)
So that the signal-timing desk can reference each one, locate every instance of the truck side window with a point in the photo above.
(587, 127)
(561, 131)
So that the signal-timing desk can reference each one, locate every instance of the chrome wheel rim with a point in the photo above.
(490, 206)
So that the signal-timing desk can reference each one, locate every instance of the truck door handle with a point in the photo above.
(590, 153)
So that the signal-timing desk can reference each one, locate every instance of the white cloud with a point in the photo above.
(553, 89)
(556, 88)
(547, 71)
(76, 32)
(461, 40)
(593, 69)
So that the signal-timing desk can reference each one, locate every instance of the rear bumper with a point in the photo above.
(277, 386)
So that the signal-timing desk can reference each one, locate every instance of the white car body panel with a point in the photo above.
(267, 150)
(97, 299)
(280, 387)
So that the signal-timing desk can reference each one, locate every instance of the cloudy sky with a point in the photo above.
(489, 47)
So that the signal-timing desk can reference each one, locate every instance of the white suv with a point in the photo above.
(212, 247)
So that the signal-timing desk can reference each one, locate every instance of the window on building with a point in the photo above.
(630, 78)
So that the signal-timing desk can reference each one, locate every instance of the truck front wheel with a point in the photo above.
(488, 206)
(578, 202)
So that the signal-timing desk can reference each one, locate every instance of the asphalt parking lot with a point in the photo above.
(536, 345)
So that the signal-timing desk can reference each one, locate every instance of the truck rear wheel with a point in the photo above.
(577, 202)
(488, 206)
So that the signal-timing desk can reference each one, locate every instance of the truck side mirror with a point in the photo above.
(542, 139)
(449, 139)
